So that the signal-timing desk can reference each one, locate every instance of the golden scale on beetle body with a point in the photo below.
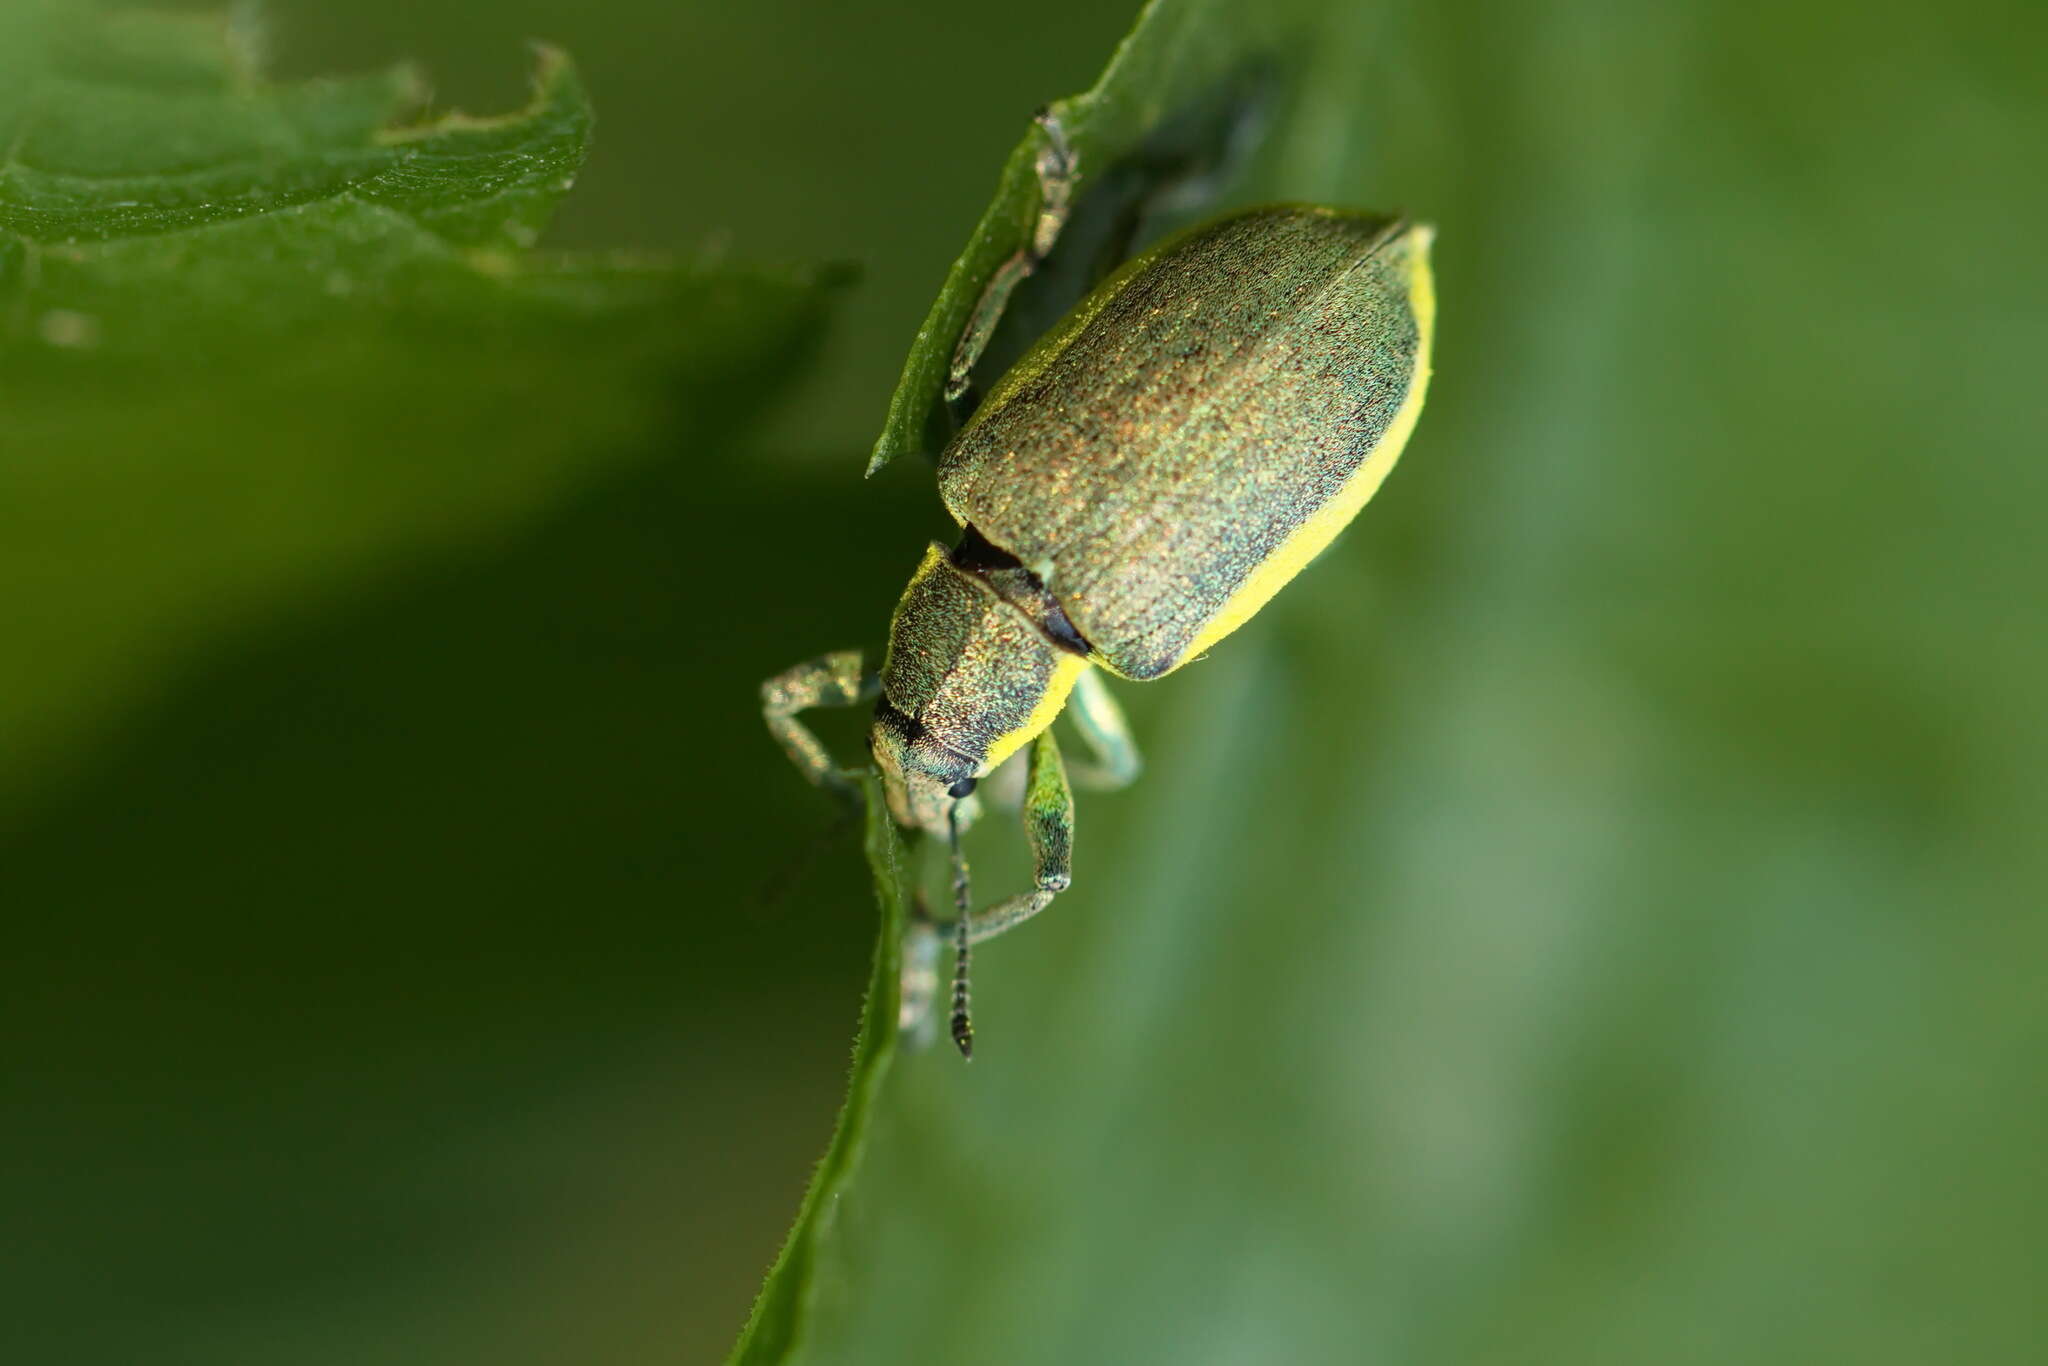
(1133, 490)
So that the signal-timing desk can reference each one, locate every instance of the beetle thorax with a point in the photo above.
(968, 679)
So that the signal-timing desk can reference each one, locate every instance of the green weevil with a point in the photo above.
(1140, 483)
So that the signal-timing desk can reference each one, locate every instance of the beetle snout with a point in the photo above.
(923, 779)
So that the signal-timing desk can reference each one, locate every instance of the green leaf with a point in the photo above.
(1185, 83)
(279, 337)
(782, 1314)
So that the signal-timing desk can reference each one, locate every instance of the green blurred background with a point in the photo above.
(1594, 915)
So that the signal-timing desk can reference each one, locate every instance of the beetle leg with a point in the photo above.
(833, 680)
(1049, 827)
(922, 943)
(1108, 735)
(1056, 167)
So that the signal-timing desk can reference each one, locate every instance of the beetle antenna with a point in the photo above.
(963, 904)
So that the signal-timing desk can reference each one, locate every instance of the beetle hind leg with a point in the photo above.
(1057, 172)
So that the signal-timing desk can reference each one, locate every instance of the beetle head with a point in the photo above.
(922, 778)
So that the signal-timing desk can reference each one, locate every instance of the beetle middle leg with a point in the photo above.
(1057, 170)
(833, 680)
(1115, 760)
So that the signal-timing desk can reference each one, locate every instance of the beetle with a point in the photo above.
(1135, 488)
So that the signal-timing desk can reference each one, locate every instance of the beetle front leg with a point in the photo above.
(1049, 828)
(833, 680)
(1057, 171)
(1108, 736)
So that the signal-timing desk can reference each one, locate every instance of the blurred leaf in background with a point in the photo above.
(1592, 915)
(307, 334)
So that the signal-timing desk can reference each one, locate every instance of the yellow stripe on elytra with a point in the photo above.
(1064, 674)
(1313, 536)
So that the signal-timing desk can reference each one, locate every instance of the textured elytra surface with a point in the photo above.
(1210, 402)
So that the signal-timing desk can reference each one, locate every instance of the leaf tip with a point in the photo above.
(554, 74)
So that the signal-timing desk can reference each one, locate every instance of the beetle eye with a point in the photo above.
(961, 788)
